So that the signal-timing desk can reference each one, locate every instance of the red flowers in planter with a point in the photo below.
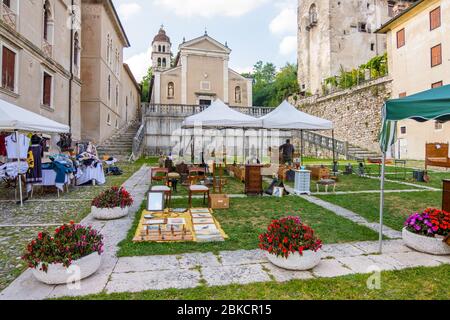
(289, 235)
(113, 198)
(68, 243)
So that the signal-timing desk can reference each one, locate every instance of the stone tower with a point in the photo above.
(161, 53)
(335, 33)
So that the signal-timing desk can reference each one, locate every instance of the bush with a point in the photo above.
(68, 243)
(289, 235)
(430, 222)
(113, 198)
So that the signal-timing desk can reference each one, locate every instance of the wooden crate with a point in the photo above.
(219, 201)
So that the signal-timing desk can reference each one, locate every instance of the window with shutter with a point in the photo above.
(435, 18)
(47, 90)
(436, 55)
(8, 68)
(401, 38)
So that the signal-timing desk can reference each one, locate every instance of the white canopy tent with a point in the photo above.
(288, 117)
(14, 118)
(220, 116)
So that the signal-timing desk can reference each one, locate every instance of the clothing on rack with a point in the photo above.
(3, 145)
(34, 175)
(11, 170)
(12, 145)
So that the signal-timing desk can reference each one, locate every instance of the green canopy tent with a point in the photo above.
(429, 105)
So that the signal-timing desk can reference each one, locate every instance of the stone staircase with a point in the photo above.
(120, 144)
(355, 153)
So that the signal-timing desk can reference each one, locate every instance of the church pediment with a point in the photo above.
(205, 43)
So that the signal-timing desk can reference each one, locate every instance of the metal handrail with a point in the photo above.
(138, 142)
(341, 147)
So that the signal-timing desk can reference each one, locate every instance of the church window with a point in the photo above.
(109, 88)
(237, 94)
(170, 90)
(47, 24)
(313, 15)
(159, 48)
(164, 62)
(159, 62)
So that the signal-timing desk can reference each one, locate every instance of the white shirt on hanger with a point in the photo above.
(11, 146)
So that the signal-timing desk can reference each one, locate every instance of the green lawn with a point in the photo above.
(246, 219)
(435, 179)
(355, 183)
(398, 206)
(409, 284)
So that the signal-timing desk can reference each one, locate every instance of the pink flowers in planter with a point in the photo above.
(430, 222)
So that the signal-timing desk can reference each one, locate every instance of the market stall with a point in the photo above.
(429, 105)
(19, 123)
(288, 117)
(221, 117)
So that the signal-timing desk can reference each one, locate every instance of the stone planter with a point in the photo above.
(425, 244)
(295, 261)
(58, 274)
(109, 213)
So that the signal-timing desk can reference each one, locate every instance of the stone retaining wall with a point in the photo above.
(356, 112)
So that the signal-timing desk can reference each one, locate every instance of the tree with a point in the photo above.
(271, 88)
(145, 85)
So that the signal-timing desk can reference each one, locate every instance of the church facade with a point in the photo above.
(198, 75)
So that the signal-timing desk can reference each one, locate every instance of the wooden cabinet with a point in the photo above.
(446, 196)
(253, 180)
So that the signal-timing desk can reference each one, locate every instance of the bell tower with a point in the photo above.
(161, 51)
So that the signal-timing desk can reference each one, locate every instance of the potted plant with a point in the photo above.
(111, 204)
(290, 244)
(71, 251)
(427, 231)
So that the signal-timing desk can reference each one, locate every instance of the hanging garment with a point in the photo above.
(2, 145)
(12, 145)
(34, 175)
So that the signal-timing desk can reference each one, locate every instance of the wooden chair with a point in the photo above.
(196, 174)
(199, 189)
(164, 172)
(436, 154)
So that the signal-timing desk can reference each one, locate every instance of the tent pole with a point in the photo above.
(19, 176)
(383, 168)
(301, 147)
(334, 147)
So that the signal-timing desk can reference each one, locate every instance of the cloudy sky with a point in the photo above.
(254, 29)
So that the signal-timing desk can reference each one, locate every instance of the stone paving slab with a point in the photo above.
(331, 268)
(416, 259)
(150, 263)
(239, 257)
(193, 260)
(237, 274)
(153, 280)
(282, 275)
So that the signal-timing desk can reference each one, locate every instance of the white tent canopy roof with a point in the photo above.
(287, 117)
(219, 115)
(13, 118)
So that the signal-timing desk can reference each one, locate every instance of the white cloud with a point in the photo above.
(288, 45)
(140, 63)
(127, 10)
(210, 8)
(285, 22)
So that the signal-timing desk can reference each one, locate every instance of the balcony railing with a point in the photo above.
(341, 147)
(189, 110)
(8, 16)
